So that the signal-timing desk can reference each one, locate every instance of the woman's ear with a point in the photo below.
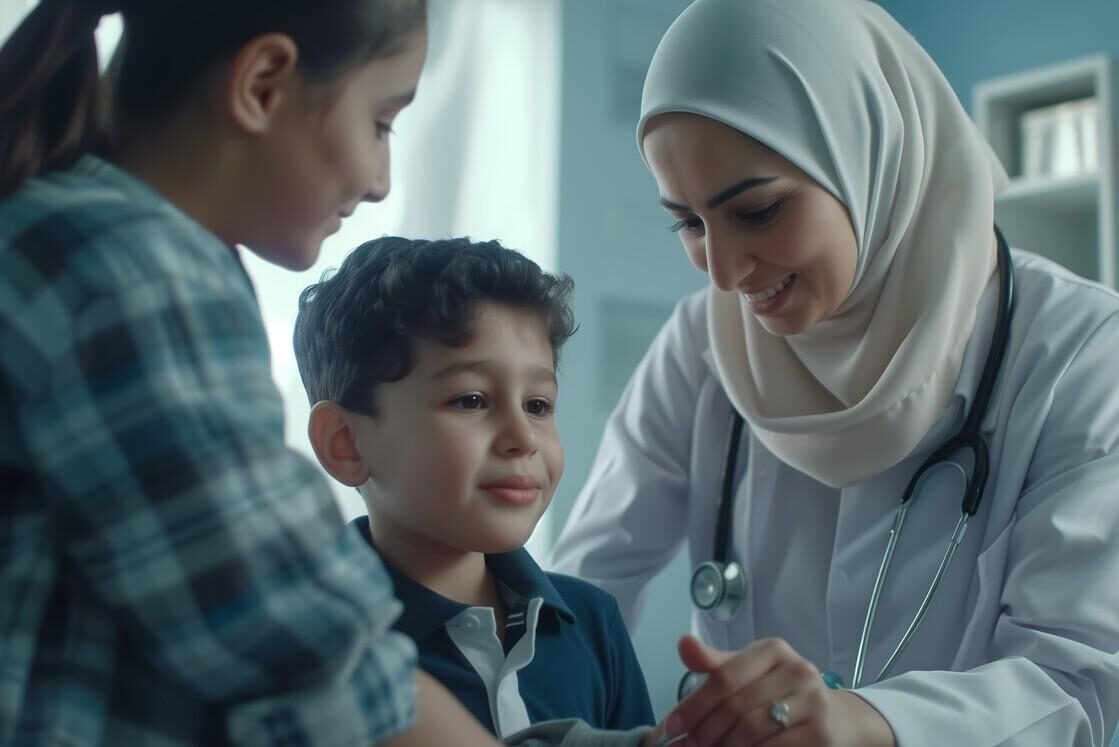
(335, 444)
(262, 75)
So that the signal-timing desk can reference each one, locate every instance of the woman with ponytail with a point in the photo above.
(169, 572)
(52, 108)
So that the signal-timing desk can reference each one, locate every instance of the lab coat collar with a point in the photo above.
(425, 611)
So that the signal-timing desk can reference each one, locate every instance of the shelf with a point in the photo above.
(1074, 195)
(1034, 88)
(1072, 220)
(1000, 103)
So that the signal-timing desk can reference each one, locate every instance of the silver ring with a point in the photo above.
(779, 712)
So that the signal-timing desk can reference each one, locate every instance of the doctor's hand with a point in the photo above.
(735, 705)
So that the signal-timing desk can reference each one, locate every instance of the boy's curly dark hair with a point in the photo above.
(356, 326)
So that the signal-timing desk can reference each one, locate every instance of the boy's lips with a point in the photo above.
(514, 482)
(518, 490)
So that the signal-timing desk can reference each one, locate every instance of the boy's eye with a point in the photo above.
(539, 407)
(470, 402)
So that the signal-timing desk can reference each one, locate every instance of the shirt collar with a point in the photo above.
(107, 173)
(426, 611)
(140, 193)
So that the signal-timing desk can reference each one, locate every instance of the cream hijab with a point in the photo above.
(842, 91)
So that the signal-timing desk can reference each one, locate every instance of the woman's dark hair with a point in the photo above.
(55, 106)
(356, 328)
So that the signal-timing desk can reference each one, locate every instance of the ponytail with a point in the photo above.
(55, 106)
(52, 104)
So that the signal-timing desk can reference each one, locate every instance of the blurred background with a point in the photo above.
(523, 130)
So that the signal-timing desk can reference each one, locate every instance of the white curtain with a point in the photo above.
(11, 13)
(475, 155)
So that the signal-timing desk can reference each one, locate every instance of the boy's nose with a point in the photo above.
(517, 436)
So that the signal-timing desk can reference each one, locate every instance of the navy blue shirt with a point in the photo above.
(582, 666)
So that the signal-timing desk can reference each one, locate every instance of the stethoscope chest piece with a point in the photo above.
(718, 589)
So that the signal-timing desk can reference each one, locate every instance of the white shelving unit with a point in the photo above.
(1071, 220)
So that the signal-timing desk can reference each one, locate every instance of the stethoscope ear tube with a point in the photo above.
(968, 438)
(726, 495)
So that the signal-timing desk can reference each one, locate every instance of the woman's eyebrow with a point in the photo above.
(738, 189)
(723, 196)
(726, 194)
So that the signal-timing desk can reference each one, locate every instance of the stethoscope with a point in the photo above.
(718, 586)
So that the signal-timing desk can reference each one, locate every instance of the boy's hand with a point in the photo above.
(657, 738)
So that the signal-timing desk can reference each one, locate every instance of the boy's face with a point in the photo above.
(463, 453)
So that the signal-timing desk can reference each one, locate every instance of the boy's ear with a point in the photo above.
(261, 75)
(335, 444)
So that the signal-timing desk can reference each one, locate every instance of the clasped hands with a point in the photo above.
(739, 703)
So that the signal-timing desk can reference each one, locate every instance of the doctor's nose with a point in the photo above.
(728, 262)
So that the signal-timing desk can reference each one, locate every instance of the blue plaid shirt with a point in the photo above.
(170, 573)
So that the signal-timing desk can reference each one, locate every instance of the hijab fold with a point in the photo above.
(838, 88)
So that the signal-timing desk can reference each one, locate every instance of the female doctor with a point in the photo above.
(863, 311)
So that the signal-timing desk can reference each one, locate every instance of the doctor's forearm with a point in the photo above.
(1005, 703)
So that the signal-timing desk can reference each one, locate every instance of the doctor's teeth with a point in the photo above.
(770, 292)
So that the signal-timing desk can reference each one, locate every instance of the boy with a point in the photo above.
(431, 368)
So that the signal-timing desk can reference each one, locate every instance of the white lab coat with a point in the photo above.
(1020, 645)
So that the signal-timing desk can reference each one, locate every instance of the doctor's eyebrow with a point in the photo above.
(723, 196)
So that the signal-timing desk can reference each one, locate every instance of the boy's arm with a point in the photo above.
(576, 733)
(156, 433)
(630, 705)
(443, 720)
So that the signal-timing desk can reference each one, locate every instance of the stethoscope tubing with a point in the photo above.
(968, 438)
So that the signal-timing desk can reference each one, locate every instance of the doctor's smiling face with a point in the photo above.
(753, 221)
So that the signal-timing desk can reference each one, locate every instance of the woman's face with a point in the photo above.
(753, 221)
(331, 153)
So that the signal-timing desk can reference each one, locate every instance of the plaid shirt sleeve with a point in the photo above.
(157, 431)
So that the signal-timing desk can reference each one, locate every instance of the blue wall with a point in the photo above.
(629, 270)
(976, 39)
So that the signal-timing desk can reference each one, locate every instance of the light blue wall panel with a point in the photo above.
(628, 269)
(976, 39)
